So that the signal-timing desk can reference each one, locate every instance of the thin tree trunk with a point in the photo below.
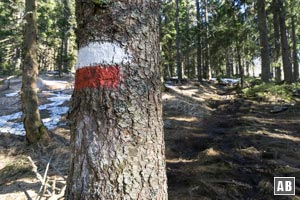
(61, 57)
(116, 117)
(287, 66)
(229, 62)
(263, 32)
(206, 67)
(240, 66)
(34, 127)
(276, 54)
(188, 49)
(199, 51)
(66, 54)
(178, 53)
(67, 14)
(295, 51)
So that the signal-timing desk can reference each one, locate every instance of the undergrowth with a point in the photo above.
(264, 91)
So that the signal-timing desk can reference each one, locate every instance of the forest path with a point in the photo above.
(218, 146)
(232, 151)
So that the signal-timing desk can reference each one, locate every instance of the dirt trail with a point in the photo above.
(233, 150)
(218, 146)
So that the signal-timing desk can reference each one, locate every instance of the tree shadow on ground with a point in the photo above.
(235, 151)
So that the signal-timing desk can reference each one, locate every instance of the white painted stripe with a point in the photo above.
(105, 53)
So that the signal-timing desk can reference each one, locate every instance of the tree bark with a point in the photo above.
(240, 66)
(206, 67)
(116, 116)
(178, 53)
(67, 15)
(188, 48)
(263, 33)
(276, 53)
(34, 127)
(285, 51)
(295, 51)
(199, 51)
(229, 62)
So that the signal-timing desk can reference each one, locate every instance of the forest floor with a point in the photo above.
(219, 145)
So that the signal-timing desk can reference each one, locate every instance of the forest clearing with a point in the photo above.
(219, 144)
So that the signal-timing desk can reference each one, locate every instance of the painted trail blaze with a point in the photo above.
(97, 76)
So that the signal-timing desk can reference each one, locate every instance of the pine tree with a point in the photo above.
(116, 117)
(34, 127)
(262, 25)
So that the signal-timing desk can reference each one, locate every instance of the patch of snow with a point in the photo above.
(48, 82)
(169, 85)
(55, 116)
(12, 94)
(231, 80)
(8, 126)
(227, 80)
(55, 110)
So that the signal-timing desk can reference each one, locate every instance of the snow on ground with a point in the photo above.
(55, 110)
(13, 123)
(13, 94)
(7, 126)
(228, 80)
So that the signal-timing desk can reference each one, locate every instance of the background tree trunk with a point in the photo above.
(285, 51)
(240, 66)
(263, 32)
(116, 117)
(276, 53)
(34, 127)
(206, 66)
(67, 16)
(178, 53)
(295, 51)
(199, 51)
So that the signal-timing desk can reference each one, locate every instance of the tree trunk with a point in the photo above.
(199, 52)
(116, 116)
(287, 66)
(66, 54)
(240, 66)
(263, 33)
(34, 127)
(276, 53)
(229, 62)
(67, 15)
(188, 49)
(206, 67)
(61, 57)
(178, 53)
(295, 51)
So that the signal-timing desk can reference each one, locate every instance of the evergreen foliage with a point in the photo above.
(55, 23)
(228, 32)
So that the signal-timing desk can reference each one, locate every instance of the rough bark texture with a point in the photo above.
(206, 67)
(35, 130)
(67, 16)
(263, 33)
(117, 133)
(178, 53)
(240, 66)
(199, 50)
(287, 66)
(276, 53)
(295, 51)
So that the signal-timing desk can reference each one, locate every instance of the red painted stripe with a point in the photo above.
(97, 76)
